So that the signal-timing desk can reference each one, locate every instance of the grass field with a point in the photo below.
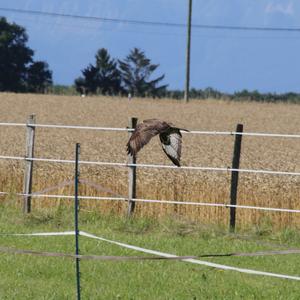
(214, 151)
(32, 277)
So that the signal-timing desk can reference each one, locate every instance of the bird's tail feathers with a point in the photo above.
(183, 129)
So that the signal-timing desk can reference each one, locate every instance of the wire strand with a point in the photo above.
(287, 210)
(151, 23)
(117, 164)
(201, 132)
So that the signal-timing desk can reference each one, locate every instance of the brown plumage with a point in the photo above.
(169, 135)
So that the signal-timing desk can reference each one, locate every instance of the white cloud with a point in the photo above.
(286, 9)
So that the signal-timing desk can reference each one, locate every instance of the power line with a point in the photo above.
(151, 23)
(94, 26)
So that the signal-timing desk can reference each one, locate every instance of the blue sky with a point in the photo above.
(226, 60)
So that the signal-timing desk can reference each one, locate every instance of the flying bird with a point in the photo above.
(169, 135)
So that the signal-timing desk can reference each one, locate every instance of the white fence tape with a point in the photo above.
(159, 253)
(258, 134)
(116, 164)
(158, 201)
(67, 127)
(191, 260)
(40, 233)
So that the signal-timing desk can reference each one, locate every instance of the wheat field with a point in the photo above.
(182, 185)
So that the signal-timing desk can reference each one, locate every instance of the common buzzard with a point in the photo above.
(169, 135)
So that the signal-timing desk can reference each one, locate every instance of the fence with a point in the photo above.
(131, 200)
(155, 255)
(132, 166)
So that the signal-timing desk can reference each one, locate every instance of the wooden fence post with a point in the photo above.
(27, 186)
(131, 173)
(235, 175)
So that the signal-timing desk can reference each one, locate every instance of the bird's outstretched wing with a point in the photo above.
(143, 134)
(171, 144)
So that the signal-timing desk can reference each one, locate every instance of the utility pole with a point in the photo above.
(188, 53)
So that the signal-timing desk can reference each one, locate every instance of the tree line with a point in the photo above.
(244, 95)
(133, 75)
(108, 76)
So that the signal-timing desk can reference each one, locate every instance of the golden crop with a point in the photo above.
(183, 185)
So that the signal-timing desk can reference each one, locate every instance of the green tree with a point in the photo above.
(39, 77)
(108, 77)
(18, 71)
(88, 83)
(103, 77)
(14, 56)
(136, 71)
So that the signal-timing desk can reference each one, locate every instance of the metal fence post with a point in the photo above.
(131, 173)
(235, 175)
(27, 185)
(76, 208)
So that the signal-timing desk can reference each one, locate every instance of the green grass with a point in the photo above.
(32, 277)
